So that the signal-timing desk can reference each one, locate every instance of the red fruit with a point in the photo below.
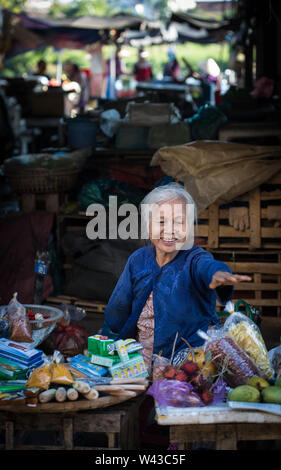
(181, 376)
(170, 372)
(207, 396)
(190, 368)
(197, 379)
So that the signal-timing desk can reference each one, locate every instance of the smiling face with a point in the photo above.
(168, 228)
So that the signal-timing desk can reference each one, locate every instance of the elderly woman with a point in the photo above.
(169, 286)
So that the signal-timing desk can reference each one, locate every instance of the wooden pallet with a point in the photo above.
(264, 267)
(214, 228)
(88, 305)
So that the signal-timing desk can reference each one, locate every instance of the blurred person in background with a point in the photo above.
(142, 69)
(75, 75)
(98, 71)
(172, 69)
(41, 69)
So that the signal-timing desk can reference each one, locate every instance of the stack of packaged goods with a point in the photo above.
(19, 354)
(118, 359)
(16, 362)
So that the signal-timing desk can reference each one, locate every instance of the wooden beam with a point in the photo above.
(255, 219)
(213, 233)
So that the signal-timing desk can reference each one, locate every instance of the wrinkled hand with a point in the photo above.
(223, 278)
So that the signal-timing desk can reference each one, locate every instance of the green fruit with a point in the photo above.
(244, 393)
(272, 394)
(278, 382)
(258, 383)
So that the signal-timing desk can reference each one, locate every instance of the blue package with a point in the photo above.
(83, 364)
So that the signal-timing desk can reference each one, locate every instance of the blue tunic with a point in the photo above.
(182, 299)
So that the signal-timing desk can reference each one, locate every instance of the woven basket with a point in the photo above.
(41, 180)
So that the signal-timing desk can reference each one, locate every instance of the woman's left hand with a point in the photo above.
(223, 278)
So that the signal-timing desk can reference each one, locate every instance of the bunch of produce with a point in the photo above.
(257, 390)
(203, 361)
(189, 372)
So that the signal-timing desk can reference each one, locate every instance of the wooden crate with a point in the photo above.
(264, 267)
(88, 305)
(215, 232)
(263, 292)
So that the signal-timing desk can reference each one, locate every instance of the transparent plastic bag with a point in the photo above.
(235, 365)
(174, 393)
(18, 321)
(275, 359)
(248, 336)
(60, 374)
(159, 364)
(40, 377)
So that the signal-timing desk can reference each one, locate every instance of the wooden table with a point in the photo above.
(119, 424)
(219, 424)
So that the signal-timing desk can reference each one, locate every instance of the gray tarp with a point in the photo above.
(216, 171)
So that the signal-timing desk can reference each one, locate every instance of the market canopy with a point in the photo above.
(181, 27)
(75, 33)
(71, 33)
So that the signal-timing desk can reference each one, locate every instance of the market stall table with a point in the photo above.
(219, 424)
(119, 422)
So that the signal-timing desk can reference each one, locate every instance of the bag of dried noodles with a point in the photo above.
(248, 336)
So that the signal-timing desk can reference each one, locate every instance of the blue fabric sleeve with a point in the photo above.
(205, 267)
(119, 305)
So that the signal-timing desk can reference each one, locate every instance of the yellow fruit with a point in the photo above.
(197, 355)
(207, 367)
(257, 382)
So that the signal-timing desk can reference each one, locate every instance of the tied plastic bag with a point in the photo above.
(61, 374)
(40, 377)
(68, 337)
(275, 359)
(248, 336)
(18, 321)
(109, 122)
(174, 393)
(235, 365)
(159, 364)
(52, 371)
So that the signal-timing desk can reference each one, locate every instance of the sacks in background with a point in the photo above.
(217, 171)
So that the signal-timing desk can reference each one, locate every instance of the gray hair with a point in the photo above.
(166, 193)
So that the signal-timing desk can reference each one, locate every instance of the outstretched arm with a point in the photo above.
(223, 278)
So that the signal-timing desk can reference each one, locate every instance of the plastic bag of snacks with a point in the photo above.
(247, 335)
(61, 374)
(40, 377)
(235, 365)
(18, 321)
